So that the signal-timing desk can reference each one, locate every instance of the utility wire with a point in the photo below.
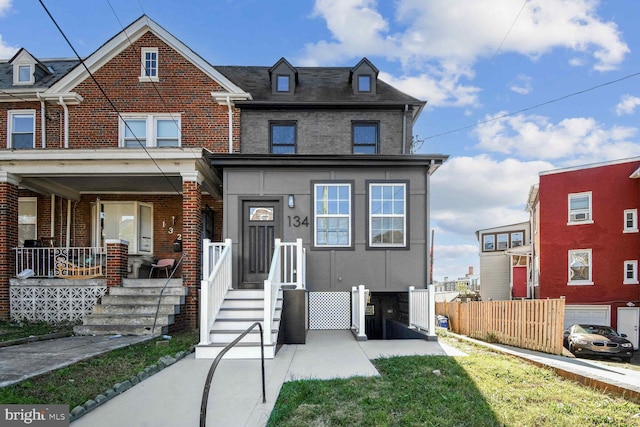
(509, 31)
(513, 113)
(105, 95)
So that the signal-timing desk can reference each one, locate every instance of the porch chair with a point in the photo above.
(165, 264)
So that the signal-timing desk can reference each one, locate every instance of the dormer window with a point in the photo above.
(149, 62)
(282, 83)
(364, 83)
(26, 68)
(24, 74)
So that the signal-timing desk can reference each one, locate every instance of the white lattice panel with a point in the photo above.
(329, 310)
(53, 303)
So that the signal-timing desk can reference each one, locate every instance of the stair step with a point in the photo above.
(226, 338)
(240, 351)
(234, 324)
(119, 329)
(147, 291)
(136, 299)
(241, 313)
(148, 309)
(126, 319)
(245, 294)
(155, 283)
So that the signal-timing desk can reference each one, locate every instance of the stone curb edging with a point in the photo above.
(34, 338)
(119, 388)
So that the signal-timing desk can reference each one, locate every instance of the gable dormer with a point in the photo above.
(363, 77)
(27, 69)
(284, 77)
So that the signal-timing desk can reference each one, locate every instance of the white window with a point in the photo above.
(138, 131)
(517, 239)
(503, 241)
(332, 209)
(27, 219)
(21, 129)
(630, 221)
(387, 214)
(489, 242)
(130, 221)
(631, 272)
(580, 208)
(23, 74)
(580, 267)
(149, 64)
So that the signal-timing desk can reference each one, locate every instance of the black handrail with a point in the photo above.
(155, 319)
(207, 383)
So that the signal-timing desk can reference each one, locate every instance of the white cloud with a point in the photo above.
(521, 85)
(570, 141)
(6, 51)
(453, 261)
(627, 104)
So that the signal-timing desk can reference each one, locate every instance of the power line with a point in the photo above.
(509, 31)
(513, 113)
(105, 94)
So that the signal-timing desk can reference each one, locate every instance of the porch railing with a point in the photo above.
(288, 268)
(217, 280)
(421, 309)
(74, 262)
(359, 297)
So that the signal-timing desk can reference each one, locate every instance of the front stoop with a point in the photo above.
(240, 309)
(131, 309)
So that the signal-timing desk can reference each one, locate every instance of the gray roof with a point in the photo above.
(60, 67)
(316, 85)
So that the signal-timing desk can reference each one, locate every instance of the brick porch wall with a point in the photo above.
(8, 239)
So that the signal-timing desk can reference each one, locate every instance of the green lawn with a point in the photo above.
(15, 330)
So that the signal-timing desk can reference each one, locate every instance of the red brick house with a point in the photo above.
(588, 242)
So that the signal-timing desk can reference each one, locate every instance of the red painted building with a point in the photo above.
(589, 244)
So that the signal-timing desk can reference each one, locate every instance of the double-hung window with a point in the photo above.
(282, 137)
(580, 267)
(630, 272)
(580, 208)
(138, 131)
(387, 214)
(149, 64)
(365, 136)
(21, 129)
(332, 215)
(630, 221)
(27, 219)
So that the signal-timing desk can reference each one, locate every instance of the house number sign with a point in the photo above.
(296, 221)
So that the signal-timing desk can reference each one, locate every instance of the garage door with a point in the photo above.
(593, 314)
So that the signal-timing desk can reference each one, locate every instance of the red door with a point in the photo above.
(519, 281)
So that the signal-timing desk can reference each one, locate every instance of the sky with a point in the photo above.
(513, 87)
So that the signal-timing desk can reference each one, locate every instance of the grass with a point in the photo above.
(14, 330)
(481, 389)
(77, 383)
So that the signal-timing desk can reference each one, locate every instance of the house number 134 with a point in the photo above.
(296, 221)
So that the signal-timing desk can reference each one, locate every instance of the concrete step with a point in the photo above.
(119, 329)
(148, 309)
(239, 351)
(127, 319)
(147, 291)
(149, 299)
(225, 337)
(156, 283)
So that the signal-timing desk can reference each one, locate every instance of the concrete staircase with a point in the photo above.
(240, 309)
(131, 308)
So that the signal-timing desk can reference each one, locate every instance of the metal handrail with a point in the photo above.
(207, 383)
(155, 318)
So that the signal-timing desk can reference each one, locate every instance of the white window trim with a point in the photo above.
(318, 216)
(580, 282)
(16, 74)
(634, 228)
(403, 216)
(134, 244)
(35, 220)
(634, 279)
(10, 115)
(151, 139)
(143, 77)
(590, 210)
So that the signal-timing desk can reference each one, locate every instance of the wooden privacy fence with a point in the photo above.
(532, 324)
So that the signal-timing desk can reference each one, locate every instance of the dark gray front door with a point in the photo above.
(260, 227)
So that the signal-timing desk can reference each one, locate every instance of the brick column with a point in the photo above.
(117, 259)
(191, 244)
(8, 237)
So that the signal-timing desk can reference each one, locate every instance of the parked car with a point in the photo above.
(597, 340)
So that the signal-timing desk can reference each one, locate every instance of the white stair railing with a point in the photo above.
(217, 280)
(359, 296)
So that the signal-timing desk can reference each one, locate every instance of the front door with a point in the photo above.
(628, 318)
(260, 227)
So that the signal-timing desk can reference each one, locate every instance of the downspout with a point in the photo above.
(430, 286)
(404, 129)
(66, 123)
(43, 116)
(531, 277)
(68, 223)
(230, 124)
(53, 215)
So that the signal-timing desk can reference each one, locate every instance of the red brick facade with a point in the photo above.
(8, 241)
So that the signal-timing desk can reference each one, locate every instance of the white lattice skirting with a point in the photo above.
(53, 303)
(329, 310)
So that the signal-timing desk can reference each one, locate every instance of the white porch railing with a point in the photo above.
(422, 309)
(217, 280)
(75, 262)
(359, 297)
(288, 268)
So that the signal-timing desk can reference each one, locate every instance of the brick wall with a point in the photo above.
(8, 241)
